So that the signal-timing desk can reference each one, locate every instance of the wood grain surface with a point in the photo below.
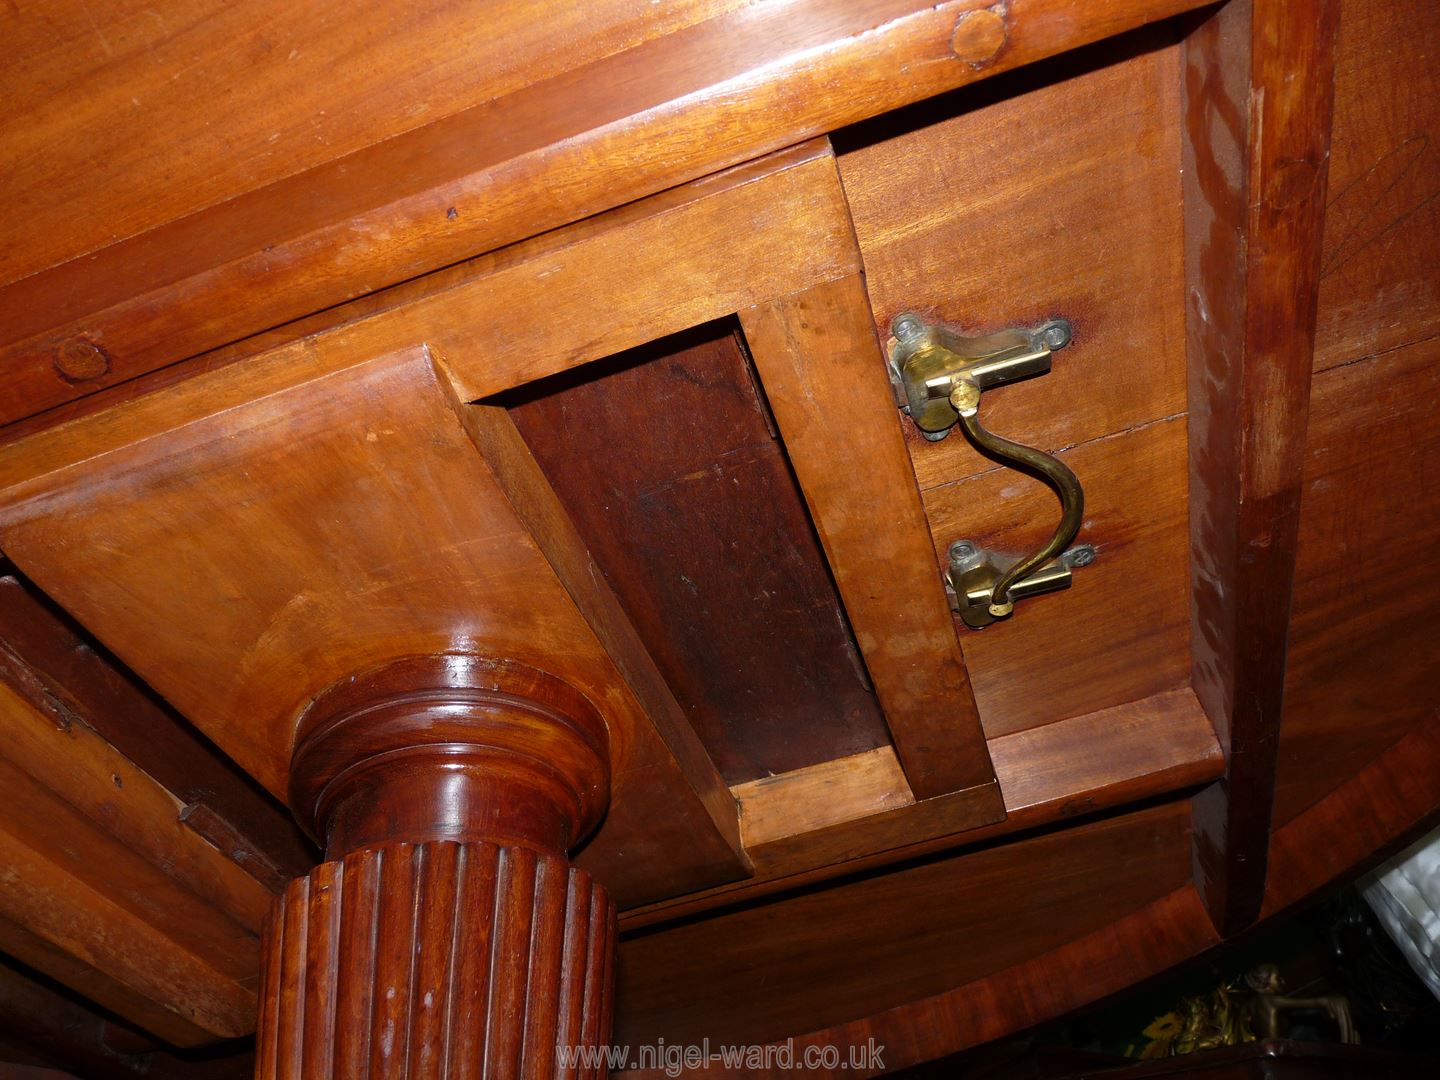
(571, 141)
(1120, 632)
(603, 285)
(1259, 87)
(980, 210)
(1381, 805)
(220, 802)
(828, 956)
(105, 887)
(1365, 636)
(1054, 773)
(248, 556)
(1378, 286)
(1366, 507)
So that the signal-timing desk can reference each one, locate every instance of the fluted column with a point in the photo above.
(447, 935)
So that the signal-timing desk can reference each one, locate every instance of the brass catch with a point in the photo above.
(939, 376)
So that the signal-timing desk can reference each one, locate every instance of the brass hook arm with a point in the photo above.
(965, 397)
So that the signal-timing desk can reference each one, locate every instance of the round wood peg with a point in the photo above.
(980, 35)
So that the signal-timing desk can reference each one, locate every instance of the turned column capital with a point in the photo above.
(450, 746)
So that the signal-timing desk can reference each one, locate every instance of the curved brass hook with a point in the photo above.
(965, 397)
(938, 377)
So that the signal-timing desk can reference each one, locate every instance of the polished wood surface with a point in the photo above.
(1259, 86)
(1378, 288)
(448, 934)
(1053, 773)
(563, 145)
(1135, 517)
(946, 922)
(384, 73)
(1369, 431)
(268, 539)
(1383, 803)
(1131, 947)
(1363, 514)
(983, 210)
(358, 592)
(536, 504)
(1047, 227)
(596, 278)
(452, 746)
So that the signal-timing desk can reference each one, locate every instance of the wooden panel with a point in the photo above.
(1136, 945)
(1366, 510)
(1365, 634)
(1125, 753)
(983, 210)
(98, 865)
(824, 377)
(134, 86)
(1079, 766)
(256, 545)
(1378, 286)
(816, 958)
(604, 285)
(1120, 632)
(667, 461)
(505, 169)
(1390, 802)
(220, 801)
(1258, 92)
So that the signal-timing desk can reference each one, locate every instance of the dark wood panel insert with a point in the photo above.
(667, 460)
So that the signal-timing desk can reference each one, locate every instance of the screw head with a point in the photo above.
(907, 327)
(1057, 334)
(1083, 555)
(965, 397)
(961, 550)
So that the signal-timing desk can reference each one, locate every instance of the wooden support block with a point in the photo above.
(267, 528)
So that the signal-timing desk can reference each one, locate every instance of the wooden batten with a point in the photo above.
(803, 827)
(1259, 87)
(824, 376)
(107, 889)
